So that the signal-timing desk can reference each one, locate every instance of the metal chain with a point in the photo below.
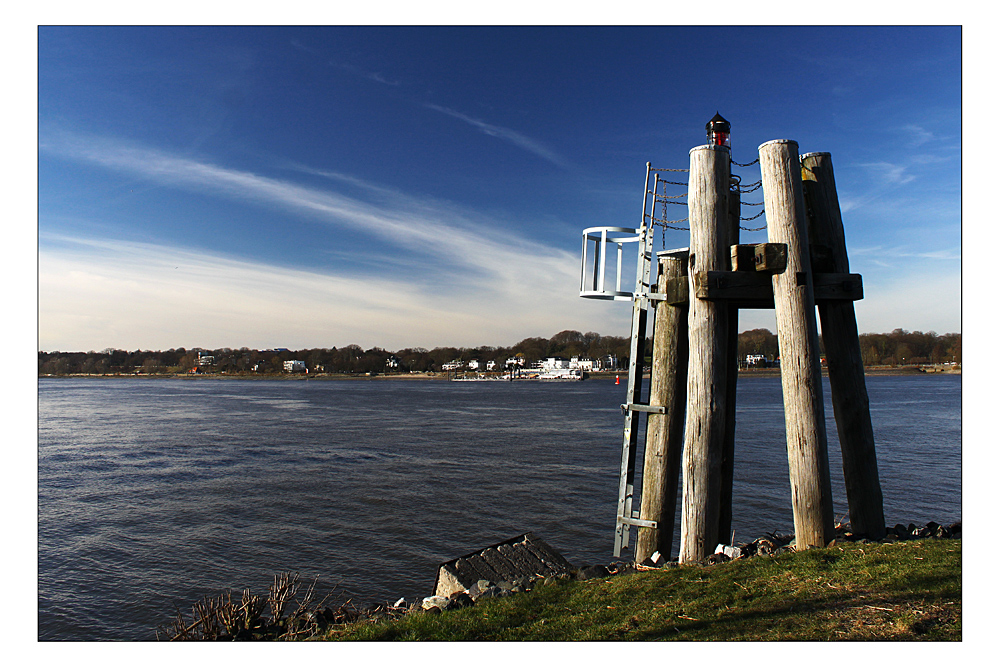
(669, 196)
(668, 223)
(748, 164)
(665, 169)
(751, 187)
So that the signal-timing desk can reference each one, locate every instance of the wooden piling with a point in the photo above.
(705, 422)
(732, 373)
(798, 345)
(843, 352)
(664, 432)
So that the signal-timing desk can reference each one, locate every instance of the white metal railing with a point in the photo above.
(593, 266)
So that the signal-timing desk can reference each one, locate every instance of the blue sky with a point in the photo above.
(424, 186)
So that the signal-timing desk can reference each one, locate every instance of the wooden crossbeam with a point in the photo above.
(747, 289)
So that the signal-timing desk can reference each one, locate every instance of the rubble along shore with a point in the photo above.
(317, 621)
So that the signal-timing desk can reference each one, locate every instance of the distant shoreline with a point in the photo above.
(749, 372)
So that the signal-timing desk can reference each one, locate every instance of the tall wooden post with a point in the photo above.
(664, 432)
(705, 423)
(843, 353)
(732, 373)
(798, 344)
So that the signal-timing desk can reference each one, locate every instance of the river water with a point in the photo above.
(154, 493)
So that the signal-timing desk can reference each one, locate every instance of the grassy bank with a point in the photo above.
(902, 591)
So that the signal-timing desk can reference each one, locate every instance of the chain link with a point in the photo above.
(665, 169)
(668, 224)
(748, 164)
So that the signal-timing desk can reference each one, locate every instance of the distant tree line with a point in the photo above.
(895, 348)
(348, 359)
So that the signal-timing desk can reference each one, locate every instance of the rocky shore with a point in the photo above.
(484, 589)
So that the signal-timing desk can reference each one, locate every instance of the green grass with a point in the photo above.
(903, 591)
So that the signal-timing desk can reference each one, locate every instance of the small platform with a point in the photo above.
(522, 556)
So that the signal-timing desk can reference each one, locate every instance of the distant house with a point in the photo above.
(491, 365)
(294, 366)
(205, 360)
(453, 365)
(553, 363)
(586, 365)
(474, 365)
(392, 361)
(607, 363)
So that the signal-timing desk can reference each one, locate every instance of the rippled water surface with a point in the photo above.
(153, 493)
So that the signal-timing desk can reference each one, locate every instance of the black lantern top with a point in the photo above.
(718, 131)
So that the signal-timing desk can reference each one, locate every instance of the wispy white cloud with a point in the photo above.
(918, 134)
(888, 173)
(947, 254)
(96, 293)
(476, 284)
(408, 223)
(511, 136)
(377, 77)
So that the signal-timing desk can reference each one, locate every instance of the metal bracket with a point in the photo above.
(640, 407)
(642, 523)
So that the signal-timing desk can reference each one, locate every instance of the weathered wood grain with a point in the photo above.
(798, 345)
(664, 433)
(705, 422)
(843, 353)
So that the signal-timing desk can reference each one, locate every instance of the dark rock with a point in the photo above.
(890, 537)
(901, 531)
(493, 592)
(765, 546)
(459, 600)
(435, 601)
(591, 572)
(476, 589)
(955, 529)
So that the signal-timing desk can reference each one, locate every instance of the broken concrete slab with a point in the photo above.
(523, 556)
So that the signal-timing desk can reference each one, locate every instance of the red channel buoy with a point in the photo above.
(616, 379)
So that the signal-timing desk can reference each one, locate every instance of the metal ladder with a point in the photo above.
(633, 408)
